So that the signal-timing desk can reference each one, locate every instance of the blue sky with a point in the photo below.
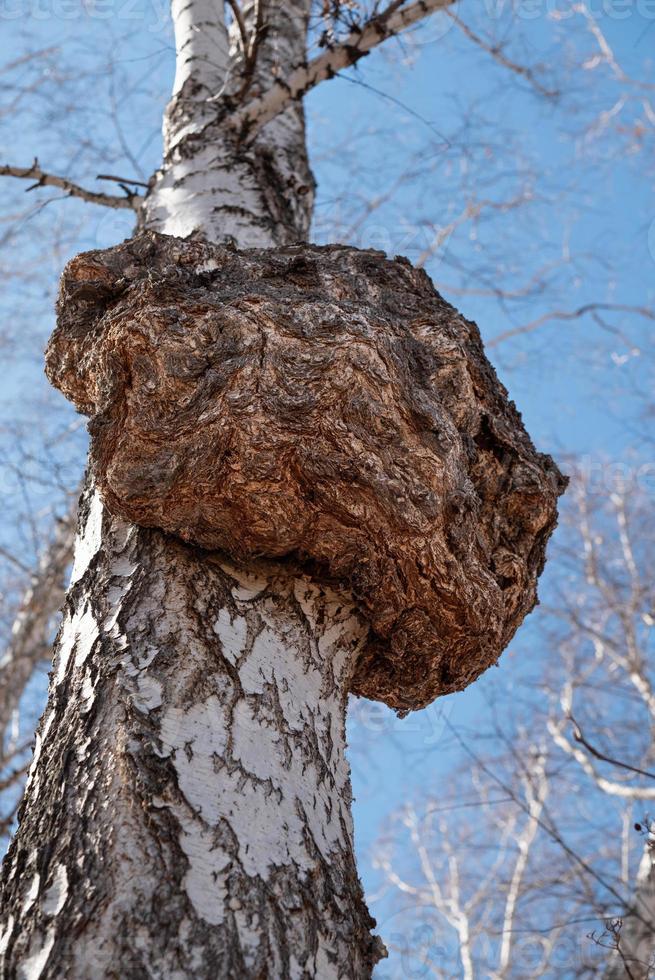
(589, 218)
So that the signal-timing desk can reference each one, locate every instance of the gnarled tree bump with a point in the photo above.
(325, 405)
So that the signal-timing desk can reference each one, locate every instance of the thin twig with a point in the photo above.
(43, 179)
(497, 54)
(569, 315)
(238, 17)
(578, 736)
(5, 553)
(251, 50)
(122, 180)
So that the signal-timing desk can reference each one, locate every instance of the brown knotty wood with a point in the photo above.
(325, 406)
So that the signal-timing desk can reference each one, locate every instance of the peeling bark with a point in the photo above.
(188, 808)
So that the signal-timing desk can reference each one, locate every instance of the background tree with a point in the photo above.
(559, 818)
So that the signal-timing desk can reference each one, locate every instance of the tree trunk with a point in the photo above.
(214, 183)
(188, 807)
(635, 955)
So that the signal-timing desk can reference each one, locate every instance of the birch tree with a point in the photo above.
(531, 294)
(614, 752)
(556, 800)
(188, 806)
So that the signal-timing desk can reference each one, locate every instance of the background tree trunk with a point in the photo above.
(33, 627)
(635, 953)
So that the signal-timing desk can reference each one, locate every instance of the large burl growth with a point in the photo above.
(325, 405)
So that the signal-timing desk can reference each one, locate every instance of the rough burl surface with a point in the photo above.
(323, 405)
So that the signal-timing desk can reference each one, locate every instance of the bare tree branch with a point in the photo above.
(360, 42)
(536, 789)
(607, 786)
(545, 823)
(241, 24)
(569, 315)
(579, 737)
(249, 41)
(496, 52)
(122, 180)
(43, 179)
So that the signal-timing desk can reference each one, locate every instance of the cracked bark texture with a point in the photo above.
(188, 808)
(324, 405)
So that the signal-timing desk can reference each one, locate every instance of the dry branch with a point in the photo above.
(587, 308)
(43, 179)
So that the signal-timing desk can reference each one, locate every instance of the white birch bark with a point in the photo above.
(635, 955)
(188, 807)
(201, 48)
(212, 184)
